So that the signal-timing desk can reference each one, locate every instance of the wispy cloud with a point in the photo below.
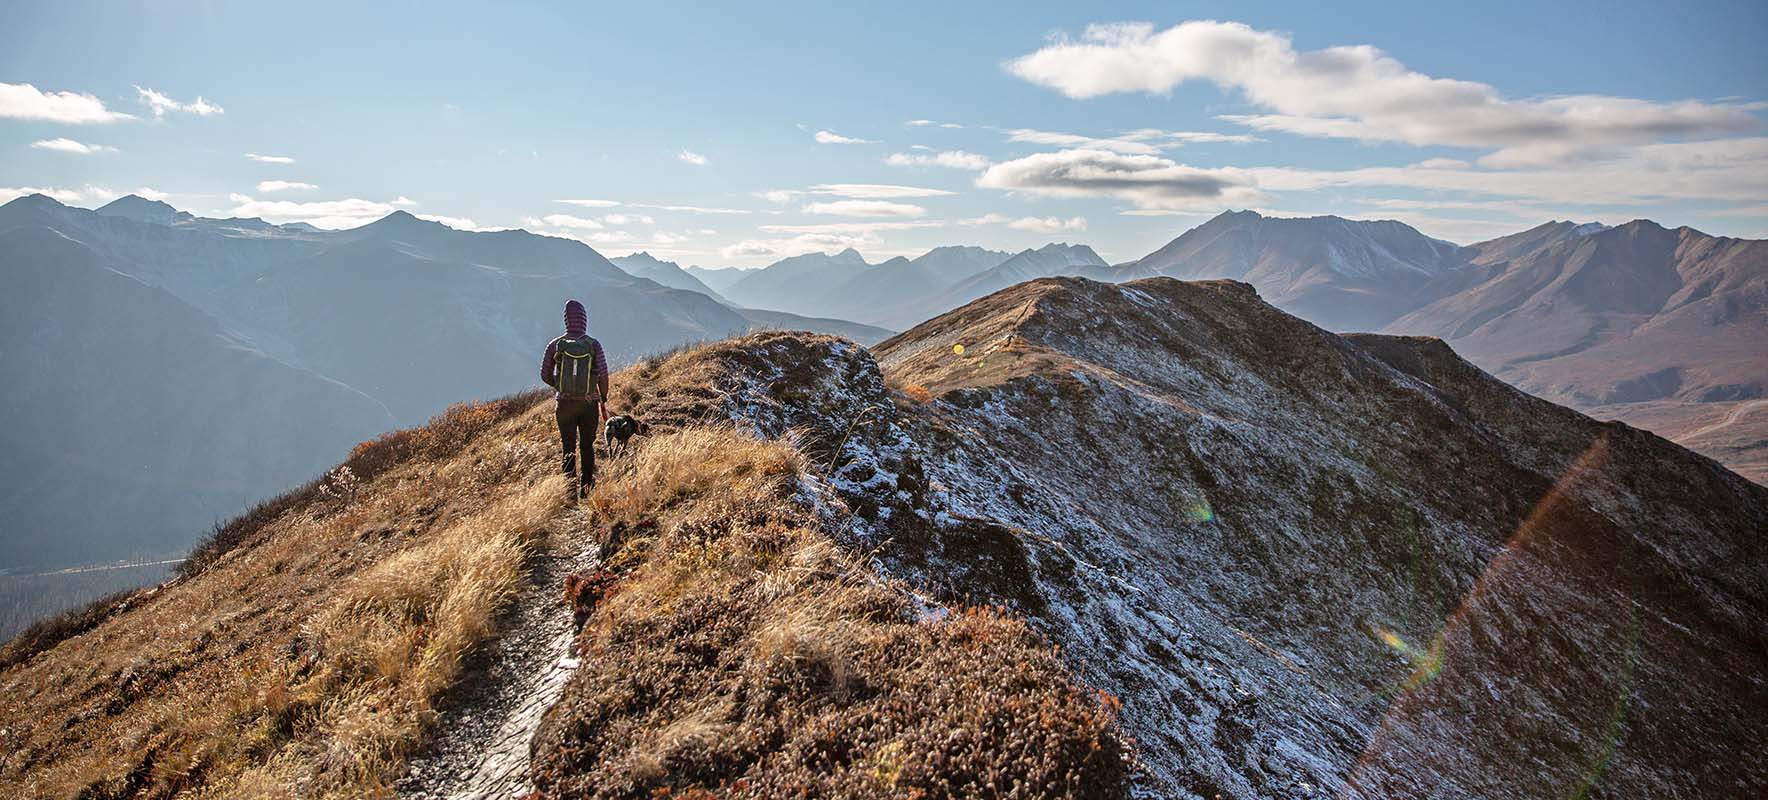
(288, 186)
(161, 105)
(270, 159)
(875, 191)
(831, 137)
(865, 208)
(592, 203)
(629, 219)
(691, 157)
(952, 159)
(1033, 224)
(928, 123)
(64, 145)
(1359, 92)
(24, 101)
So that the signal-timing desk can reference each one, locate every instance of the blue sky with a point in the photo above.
(1467, 121)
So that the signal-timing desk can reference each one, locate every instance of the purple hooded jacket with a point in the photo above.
(576, 324)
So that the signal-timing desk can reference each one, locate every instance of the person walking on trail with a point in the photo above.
(575, 366)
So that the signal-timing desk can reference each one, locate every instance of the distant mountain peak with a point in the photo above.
(141, 209)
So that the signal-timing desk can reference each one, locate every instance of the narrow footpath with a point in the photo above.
(480, 750)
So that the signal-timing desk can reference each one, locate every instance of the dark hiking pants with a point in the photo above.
(577, 423)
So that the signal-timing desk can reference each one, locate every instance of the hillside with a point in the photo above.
(1661, 328)
(1352, 566)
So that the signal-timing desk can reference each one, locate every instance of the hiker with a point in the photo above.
(575, 366)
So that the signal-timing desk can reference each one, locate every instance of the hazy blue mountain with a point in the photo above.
(805, 284)
(135, 420)
(668, 273)
(717, 279)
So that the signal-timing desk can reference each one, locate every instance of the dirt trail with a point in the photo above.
(1730, 419)
(481, 748)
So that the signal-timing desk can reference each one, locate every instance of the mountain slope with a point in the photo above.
(1661, 327)
(1317, 564)
(135, 420)
(667, 273)
(1341, 274)
(800, 284)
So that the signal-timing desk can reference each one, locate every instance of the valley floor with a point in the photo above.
(1732, 433)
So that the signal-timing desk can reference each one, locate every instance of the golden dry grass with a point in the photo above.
(304, 657)
(744, 652)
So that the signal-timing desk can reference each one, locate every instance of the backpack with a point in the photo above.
(576, 362)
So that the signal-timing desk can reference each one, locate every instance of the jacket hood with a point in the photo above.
(576, 318)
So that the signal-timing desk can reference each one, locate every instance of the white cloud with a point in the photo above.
(1147, 181)
(24, 101)
(1146, 141)
(1743, 211)
(64, 196)
(270, 159)
(852, 228)
(458, 223)
(1360, 92)
(865, 208)
(295, 186)
(1727, 169)
(329, 214)
(953, 159)
(592, 203)
(1033, 224)
(161, 104)
(927, 123)
(691, 157)
(149, 193)
(1442, 163)
(831, 137)
(403, 201)
(781, 196)
(629, 219)
(1075, 140)
(660, 237)
(874, 191)
(565, 221)
(63, 145)
(694, 209)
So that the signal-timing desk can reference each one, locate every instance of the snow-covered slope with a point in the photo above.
(1308, 565)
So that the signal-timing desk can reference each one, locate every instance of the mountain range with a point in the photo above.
(1657, 327)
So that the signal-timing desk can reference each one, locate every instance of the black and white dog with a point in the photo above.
(620, 429)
